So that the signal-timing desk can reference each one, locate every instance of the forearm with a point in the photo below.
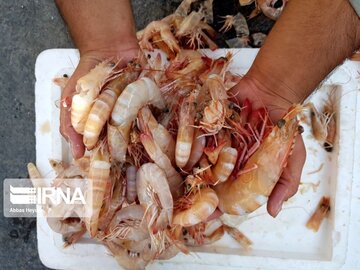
(310, 39)
(99, 25)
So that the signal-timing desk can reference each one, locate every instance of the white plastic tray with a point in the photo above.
(279, 243)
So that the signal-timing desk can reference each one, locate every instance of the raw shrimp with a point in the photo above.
(215, 112)
(99, 175)
(88, 88)
(225, 164)
(321, 212)
(127, 224)
(319, 124)
(35, 176)
(203, 233)
(185, 133)
(154, 194)
(197, 149)
(196, 208)
(329, 113)
(161, 135)
(263, 169)
(192, 28)
(238, 236)
(135, 96)
(131, 184)
(114, 198)
(104, 104)
(126, 258)
(62, 219)
(164, 30)
(173, 177)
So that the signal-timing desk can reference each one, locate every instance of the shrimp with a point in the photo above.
(187, 64)
(164, 30)
(225, 164)
(161, 135)
(127, 224)
(35, 176)
(104, 104)
(173, 177)
(238, 236)
(99, 175)
(321, 212)
(136, 95)
(329, 114)
(192, 28)
(131, 184)
(203, 233)
(197, 150)
(250, 190)
(87, 89)
(126, 258)
(214, 113)
(61, 219)
(185, 133)
(319, 123)
(195, 208)
(114, 198)
(154, 194)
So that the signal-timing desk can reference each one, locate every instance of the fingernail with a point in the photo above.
(278, 209)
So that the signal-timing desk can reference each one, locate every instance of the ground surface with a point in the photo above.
(26, 29)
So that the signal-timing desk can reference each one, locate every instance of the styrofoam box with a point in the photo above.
(281, 243)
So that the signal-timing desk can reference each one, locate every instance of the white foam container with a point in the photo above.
(281, 243)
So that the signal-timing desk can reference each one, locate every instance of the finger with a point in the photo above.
(289, 181)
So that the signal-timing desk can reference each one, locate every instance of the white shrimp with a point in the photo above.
(135, 96)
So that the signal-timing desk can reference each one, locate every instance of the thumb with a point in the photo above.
(289, 180)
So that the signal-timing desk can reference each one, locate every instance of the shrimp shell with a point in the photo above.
(35, 176)
(225, 164)
(239, 237)
(163, 28)
(99, 174)
(127, 224)
(321, 212)
(135, 96)
(154, 194)
(125, 258)
(104, 104)
(202, 205)
(161, 135)
(250, 190)
(197, 150)
(173, 177)
(131, 184)
(87, 89)
(185, 133)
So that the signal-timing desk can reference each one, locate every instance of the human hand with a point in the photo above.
(88, 60)
(260, 95)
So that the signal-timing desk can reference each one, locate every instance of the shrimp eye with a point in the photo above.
(199, 115)
(281, 123)
(149, 56)
(278, 4)
(232, 117)
(65, 75)
(166, 110)
(300, 129)
(231, 105)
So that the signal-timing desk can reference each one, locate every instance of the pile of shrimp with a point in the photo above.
(168, 148)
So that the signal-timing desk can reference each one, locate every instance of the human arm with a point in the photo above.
(309, 40)
(101, 30)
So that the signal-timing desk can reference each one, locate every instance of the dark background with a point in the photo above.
(26, 29)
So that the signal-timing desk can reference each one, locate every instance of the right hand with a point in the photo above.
(88, 60)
